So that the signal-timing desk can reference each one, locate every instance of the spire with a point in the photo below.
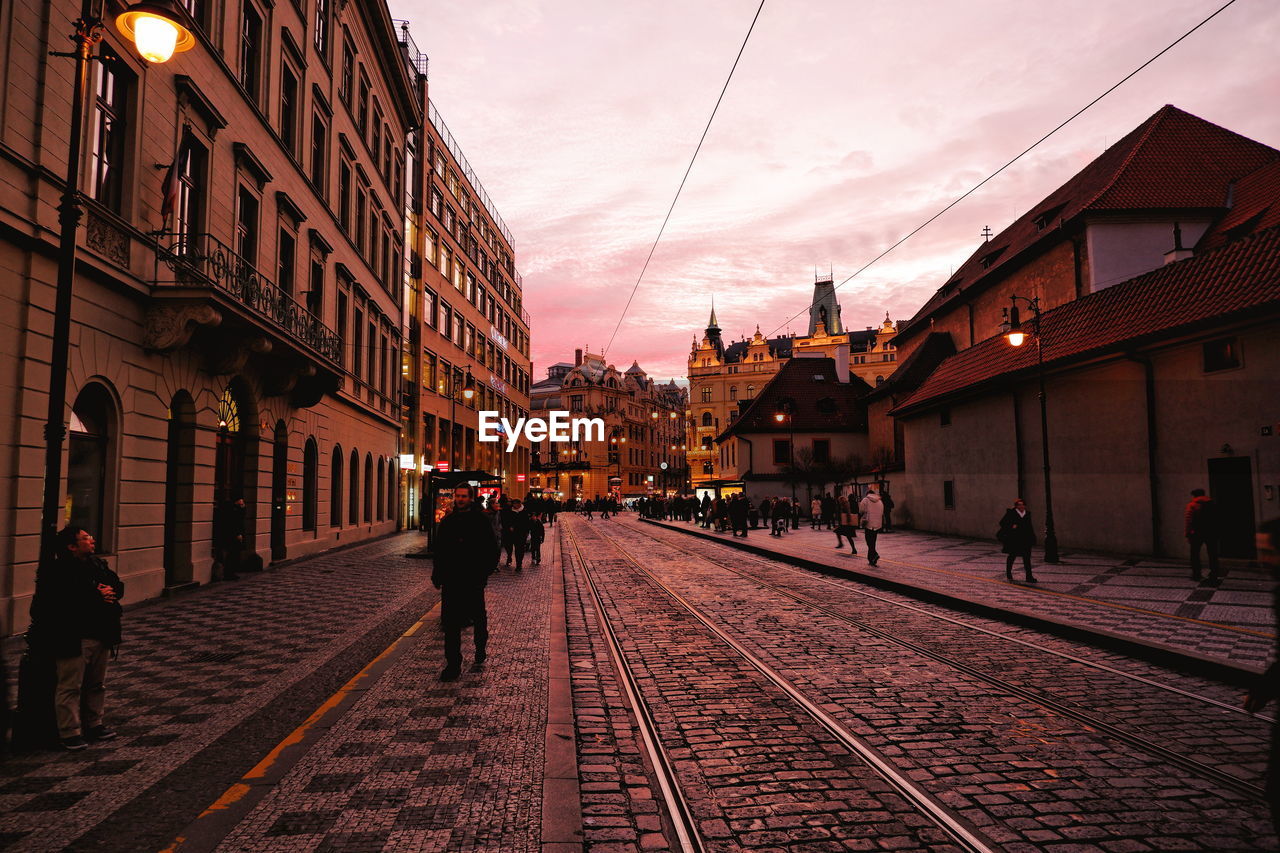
(712, 324)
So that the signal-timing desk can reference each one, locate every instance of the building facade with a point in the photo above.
(643, 448)
(236, 321)
(1155, 384)
(468, 341)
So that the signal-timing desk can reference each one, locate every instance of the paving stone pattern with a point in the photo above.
(1101, 591)
(1234, 741)
(1027, 777)
(193, 668)
(419, 764)
(759, 773)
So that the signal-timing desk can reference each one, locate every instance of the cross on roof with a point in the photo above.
(986, 233)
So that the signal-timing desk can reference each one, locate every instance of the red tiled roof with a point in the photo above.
(1171, 161)
(803, 382)
(1255, 207)
(1241, 276)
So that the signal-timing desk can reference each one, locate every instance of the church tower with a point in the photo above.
(713, 334)
(823, 308)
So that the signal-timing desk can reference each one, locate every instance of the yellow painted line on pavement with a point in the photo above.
(239, 790)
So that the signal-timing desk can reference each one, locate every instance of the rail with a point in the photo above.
(437, 121)
(415, 58)
(201, 260)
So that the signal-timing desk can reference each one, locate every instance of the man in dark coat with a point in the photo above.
(75, 620)
(228, 536)
(515, 532)
(1267, 687)
(1201, 517)
(1017, 536)
(466, 553)
(738, 515)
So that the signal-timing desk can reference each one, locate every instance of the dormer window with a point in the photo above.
(989, 259)
(1045, 218)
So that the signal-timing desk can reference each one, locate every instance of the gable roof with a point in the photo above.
(1172, 161)
(804, 382)
(1228, 283)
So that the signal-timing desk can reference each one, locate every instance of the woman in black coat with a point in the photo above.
(1017, 536)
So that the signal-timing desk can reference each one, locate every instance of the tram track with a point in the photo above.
(902, 605)
(1146, 745)
(960, 831)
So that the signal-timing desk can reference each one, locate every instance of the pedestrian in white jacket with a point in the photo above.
(872, 511)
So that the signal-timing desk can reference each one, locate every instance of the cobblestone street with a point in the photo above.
(646, 690)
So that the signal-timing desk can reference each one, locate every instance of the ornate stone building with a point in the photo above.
(643, 451)
(468, 329)
(236, 320)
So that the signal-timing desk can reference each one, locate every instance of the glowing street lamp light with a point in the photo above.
(155, 31)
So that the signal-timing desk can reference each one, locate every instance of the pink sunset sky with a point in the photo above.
(846, 125)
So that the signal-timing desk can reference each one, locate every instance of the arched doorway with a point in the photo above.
(179, 486)
(235, 464)
(91, 464)
(279, 490)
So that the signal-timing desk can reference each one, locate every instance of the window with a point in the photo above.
(1222, 354)
(357, 346)
(341, 329)
(948, 494)
(322, 29)
(347, 77)
(189, 205)
(344, 195)
(319, 152)
(781, 451)
(706, 393)
(247, 226)
(429, 307)
(108, 156)
(310, 465)
(353, 498)
(733, 392)
(194, 8)
(821, 450)
(751, 392)
(315, 284)
(376, 146)
(251, 51)
(362, 106)
(289, 108)
(446, 319)
(706, 419)
(361, 201)
(287, 249)
(944, 418)
(429, 370)
(89, 450)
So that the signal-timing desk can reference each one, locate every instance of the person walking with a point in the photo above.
(781, 516)
(887, 500)
(766, 509)
(1201, 518)
(846, 525)
(537, 535)
(1267, 685)
(1017, 536)
(872, 512)
(830, 511)
(466, 553)
(515, 532)
(815, 513)
(76, 621)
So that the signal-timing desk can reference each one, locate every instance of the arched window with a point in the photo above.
(335, 488)
(751, 392)
(91, 462)
(879, 380)
(733, 392)
(382, 492)
(392, 487)
(368, 488)
(706, 419)
(706, 393)
(353, 499)
(310, 472)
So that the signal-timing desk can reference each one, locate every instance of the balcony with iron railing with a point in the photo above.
(203, 289)
(414, 58)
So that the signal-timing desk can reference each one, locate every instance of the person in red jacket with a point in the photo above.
(1202, 530)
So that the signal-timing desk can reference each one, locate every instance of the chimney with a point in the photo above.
(577, 358)
(1177, 253)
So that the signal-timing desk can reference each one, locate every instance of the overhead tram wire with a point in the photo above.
(667, 218)
(1024, 152)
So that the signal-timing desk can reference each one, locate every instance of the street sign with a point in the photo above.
(442, 466)
(519, 478)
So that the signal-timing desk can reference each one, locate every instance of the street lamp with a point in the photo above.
(1016, 335)
(141, 24)
(468, 394)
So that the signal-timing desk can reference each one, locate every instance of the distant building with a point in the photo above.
(643, 451)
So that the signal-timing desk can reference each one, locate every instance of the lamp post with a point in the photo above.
(468, 393)
(1016, 335)
(157, 35)
(786, 413)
